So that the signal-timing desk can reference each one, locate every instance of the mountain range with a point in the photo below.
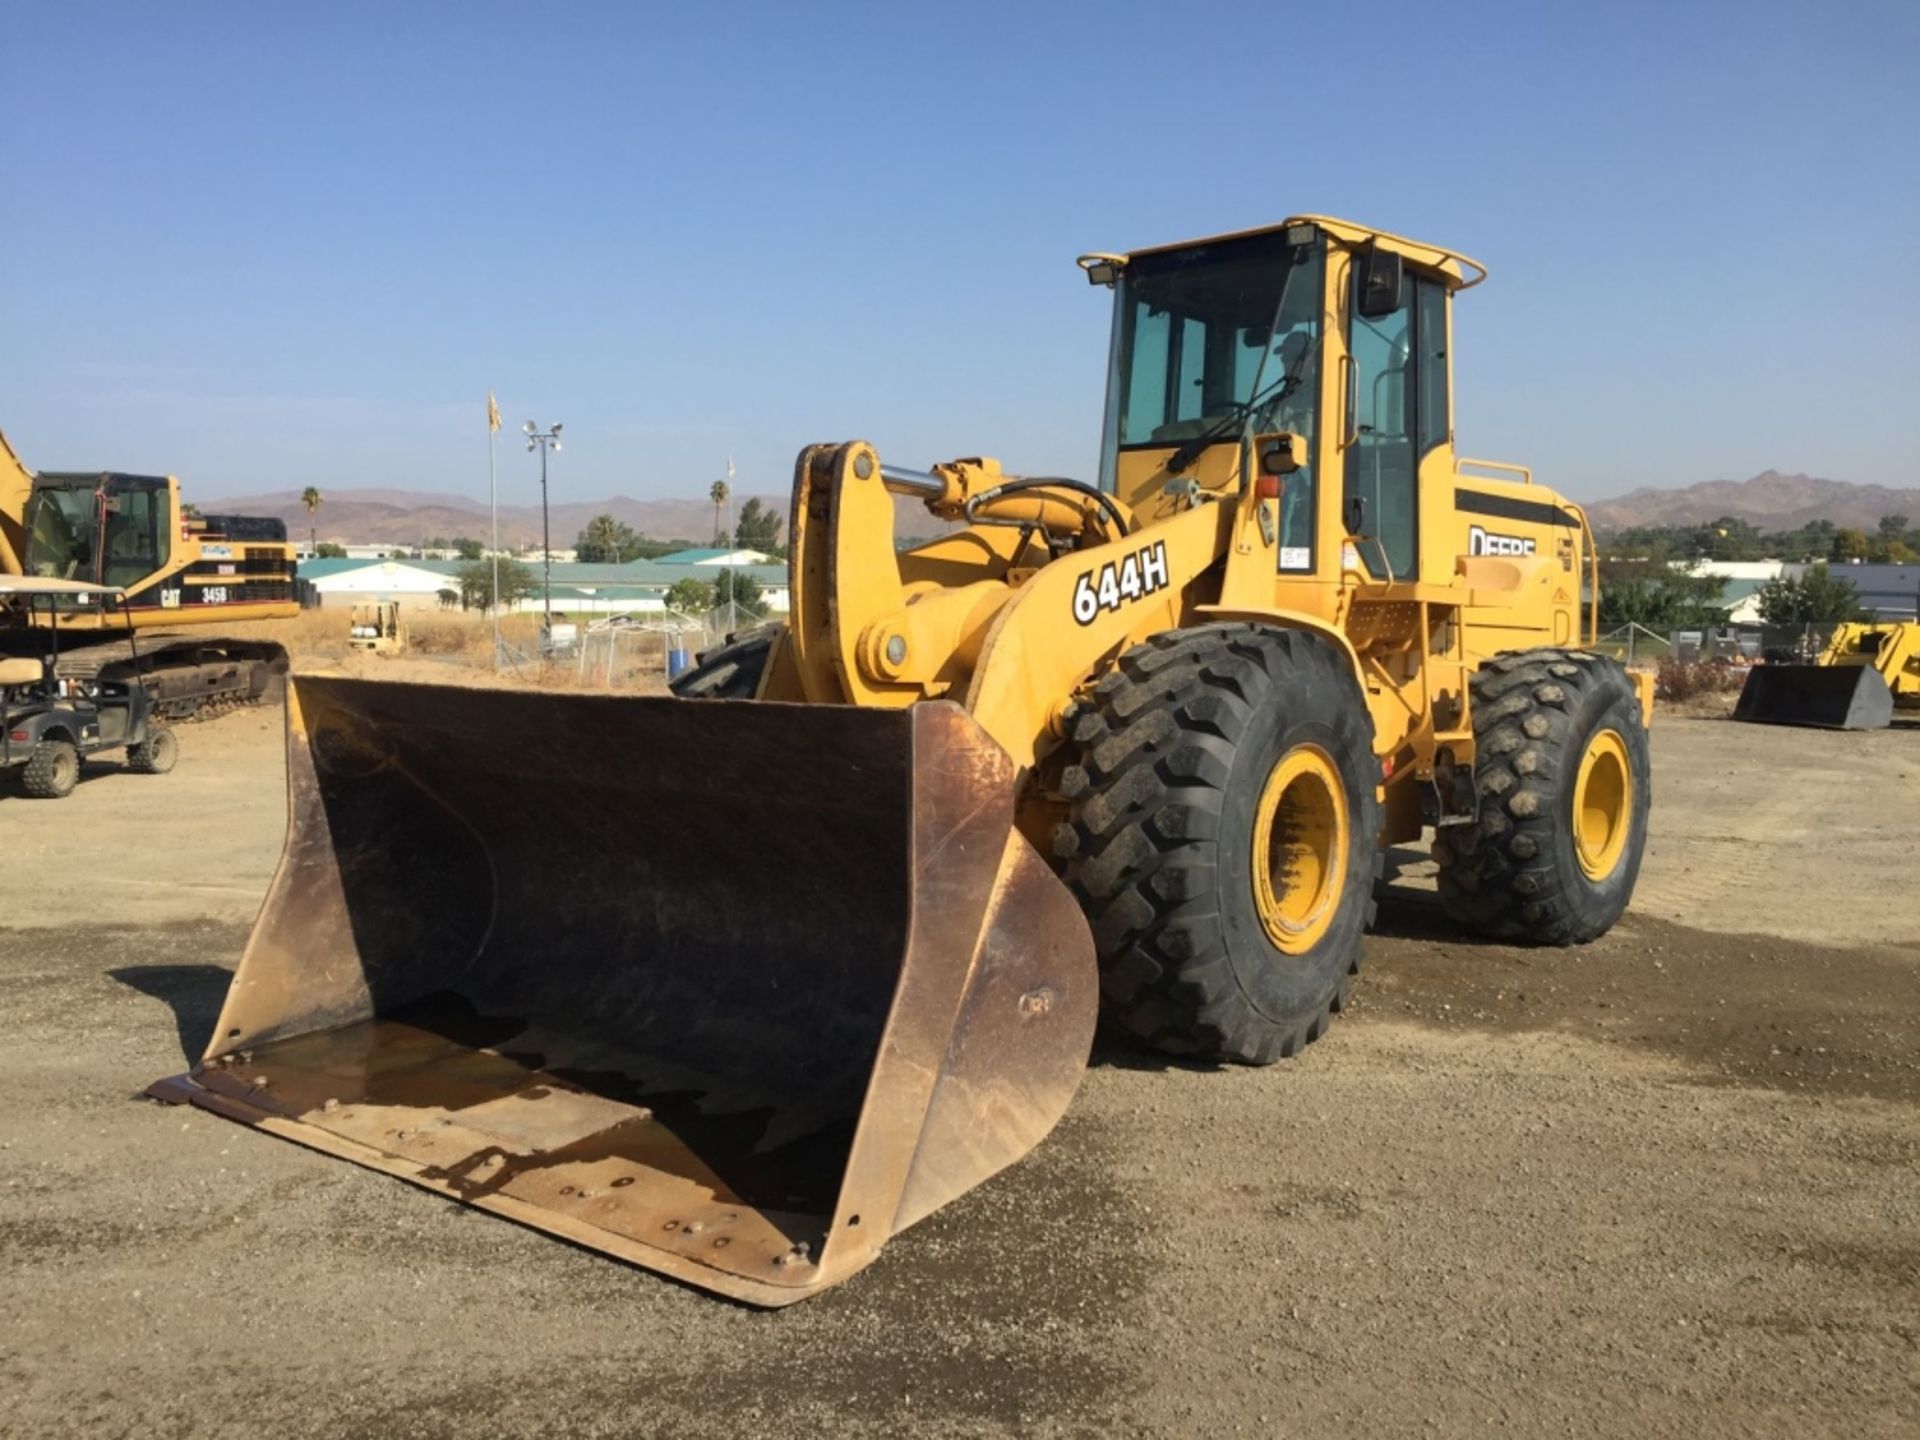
(1770, 501)
(408, 517)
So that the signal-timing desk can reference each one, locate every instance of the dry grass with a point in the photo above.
(453, 634)
(1681, 680)
(456, 648)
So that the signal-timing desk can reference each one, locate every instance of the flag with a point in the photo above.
(493, 413)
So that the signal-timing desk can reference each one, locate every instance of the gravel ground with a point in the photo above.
(1661, 1185)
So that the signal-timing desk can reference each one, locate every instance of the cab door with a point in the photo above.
(1382, 460)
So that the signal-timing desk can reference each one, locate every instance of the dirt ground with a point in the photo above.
(1662, 1185)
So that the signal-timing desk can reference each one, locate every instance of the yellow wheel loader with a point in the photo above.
(1867, 669)
(738, 985)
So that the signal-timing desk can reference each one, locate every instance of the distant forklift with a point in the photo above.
(375, 626)
(49, 723)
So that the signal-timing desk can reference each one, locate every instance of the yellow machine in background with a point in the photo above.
(179, 572)
(374, 626)
(1891, 649)
(1866, 670)
(739, 990)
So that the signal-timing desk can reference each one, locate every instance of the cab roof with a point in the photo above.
(96, 477)
(1449, 263)
(43, 585)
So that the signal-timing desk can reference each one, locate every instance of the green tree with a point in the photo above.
(327, 550)
(758, 528)
(476, 583)
(1894, 527)
(604, 541)
(1659, 596)
(1816, 597)
(1728, 538)
(448, 598)
(718, 493)
(690, 597)
(1849, 544)
(468, 549)
(643, 548)
(739, 587)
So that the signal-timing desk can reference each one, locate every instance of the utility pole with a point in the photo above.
(733, 581)
(493, 505)
(543, 441)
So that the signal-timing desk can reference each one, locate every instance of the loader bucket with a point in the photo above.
(730, 990)
(1839, 697)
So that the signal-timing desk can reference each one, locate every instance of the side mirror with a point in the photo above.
(1280, 454)
(1379, 284)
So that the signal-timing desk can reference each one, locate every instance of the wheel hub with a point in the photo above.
(1602, 805)
(1300, 832)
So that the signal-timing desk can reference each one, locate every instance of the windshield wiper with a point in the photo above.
(1243, 409)
(1190, 449)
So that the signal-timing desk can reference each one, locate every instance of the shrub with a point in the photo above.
(1683, 679)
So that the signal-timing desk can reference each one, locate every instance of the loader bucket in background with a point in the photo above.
(733, 991)
(1838, 697)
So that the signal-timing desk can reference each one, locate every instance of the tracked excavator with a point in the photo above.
(184, 576)
(740, 984)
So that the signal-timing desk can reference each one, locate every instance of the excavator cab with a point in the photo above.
(114, 530)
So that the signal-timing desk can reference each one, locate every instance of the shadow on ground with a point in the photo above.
(193, 992)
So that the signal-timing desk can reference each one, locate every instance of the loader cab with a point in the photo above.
(107, 529)
(1328, 331)
(1208, 338)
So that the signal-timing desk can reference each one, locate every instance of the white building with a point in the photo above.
(716, 557)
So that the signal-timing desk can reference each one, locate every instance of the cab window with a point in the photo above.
(138, 541)
(1399, 412)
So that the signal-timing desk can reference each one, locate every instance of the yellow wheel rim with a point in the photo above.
(1602, 805)
(1300, 848)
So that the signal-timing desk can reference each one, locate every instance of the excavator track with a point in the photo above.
(190, 678)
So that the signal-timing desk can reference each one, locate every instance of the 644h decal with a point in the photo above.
(1118, 581)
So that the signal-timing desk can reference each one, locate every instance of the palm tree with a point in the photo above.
(310, 497)
(602, 537)
(718, 494)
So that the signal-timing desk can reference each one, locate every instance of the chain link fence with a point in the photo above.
(1721, 644)
(631, 650)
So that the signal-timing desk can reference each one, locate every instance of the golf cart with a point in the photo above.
(50, 722)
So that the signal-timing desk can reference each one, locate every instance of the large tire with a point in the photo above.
(51, 771)
(155, 754)
(1537, 867)
(730, 671)
(1180, 786)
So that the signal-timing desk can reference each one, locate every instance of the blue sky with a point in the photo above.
(266, 246)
